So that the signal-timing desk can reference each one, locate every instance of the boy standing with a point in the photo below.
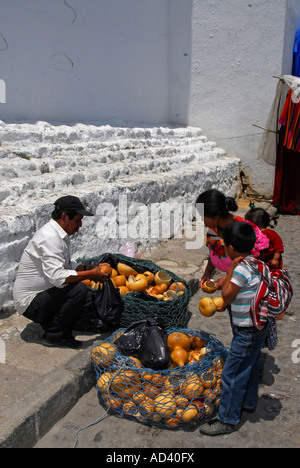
(240, 377)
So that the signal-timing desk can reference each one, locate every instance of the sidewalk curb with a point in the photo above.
(27, 420)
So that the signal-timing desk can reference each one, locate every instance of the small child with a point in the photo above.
(273, 255)
(240, 376)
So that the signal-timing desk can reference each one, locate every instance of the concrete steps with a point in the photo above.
(40, 162)
(93, 166)
(27, 166)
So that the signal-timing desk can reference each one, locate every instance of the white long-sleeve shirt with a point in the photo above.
(45, 263)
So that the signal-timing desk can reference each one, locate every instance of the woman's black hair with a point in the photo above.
(216, 204)
(258, 216)
(240, 235)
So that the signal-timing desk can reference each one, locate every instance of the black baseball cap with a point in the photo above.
(70, 203)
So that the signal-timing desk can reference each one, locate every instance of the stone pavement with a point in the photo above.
(40, 385)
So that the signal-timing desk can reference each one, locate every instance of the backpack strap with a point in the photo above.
(261, 268)
(273, 294)
(259, 306)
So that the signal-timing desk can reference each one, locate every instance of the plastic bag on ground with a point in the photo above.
(128, 249)
(146, 340)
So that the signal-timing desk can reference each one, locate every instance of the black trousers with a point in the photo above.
(58, 310)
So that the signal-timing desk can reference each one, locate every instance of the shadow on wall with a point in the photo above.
(180, 56)
(121, 60)
(292, 24)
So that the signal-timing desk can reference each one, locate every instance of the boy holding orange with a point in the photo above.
(240, 377)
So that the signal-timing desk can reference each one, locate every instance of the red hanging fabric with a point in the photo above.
(286, 194)
(290, 119)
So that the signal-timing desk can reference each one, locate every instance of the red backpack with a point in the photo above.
(273, 294)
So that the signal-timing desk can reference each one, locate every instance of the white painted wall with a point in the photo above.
(238, 45)
(205, 63)
(97, 61)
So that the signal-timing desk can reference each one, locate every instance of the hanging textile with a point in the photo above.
(290, 119)
(286, 193)
(267, 149)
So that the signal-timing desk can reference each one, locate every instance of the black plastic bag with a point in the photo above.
(104, 258)
(130, 342)
(155, 353)
(109, 305)
(146, 340)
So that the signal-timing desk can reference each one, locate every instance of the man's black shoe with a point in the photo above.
(63, 343)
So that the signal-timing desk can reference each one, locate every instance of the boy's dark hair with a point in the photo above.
(240, 235)
(259, 216)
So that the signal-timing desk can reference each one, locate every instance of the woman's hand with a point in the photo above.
(207, 273)
(205, 277)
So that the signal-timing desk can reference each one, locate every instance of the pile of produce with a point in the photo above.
(185, 393)
(146, 289)
(159, 285)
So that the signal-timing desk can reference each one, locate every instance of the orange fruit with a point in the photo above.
(207, 307)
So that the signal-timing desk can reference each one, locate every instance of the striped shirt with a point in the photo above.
(248, 282)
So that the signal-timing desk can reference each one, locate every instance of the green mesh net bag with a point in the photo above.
(139, 305)
(171, 398)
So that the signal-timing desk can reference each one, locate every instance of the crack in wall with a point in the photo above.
(3, 43)
(60, 61)
(73, 10)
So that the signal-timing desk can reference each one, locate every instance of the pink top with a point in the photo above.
(216, 246)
